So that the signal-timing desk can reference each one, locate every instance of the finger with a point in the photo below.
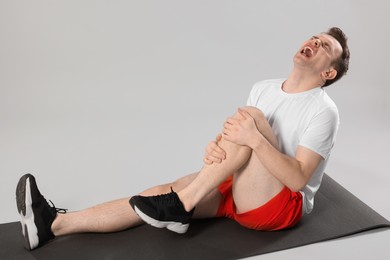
(241, 113)
(210, 159)
(208, 148)
(214, 150)
(213, 145)
(228, 138)
(225, 132)
(231, 120)
(226, 135)
(218, 155)
(215, 159)
(229, 125)
(218, 148)
(207, 161)
(217, 151)
(244, 113)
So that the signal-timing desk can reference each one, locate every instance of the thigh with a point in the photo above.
(177, 186)
(254, 185)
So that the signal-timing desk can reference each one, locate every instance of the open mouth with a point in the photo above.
(307, 51)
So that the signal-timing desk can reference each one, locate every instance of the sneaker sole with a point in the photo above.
(177, 227)
(24, 204)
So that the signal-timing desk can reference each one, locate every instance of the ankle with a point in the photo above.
(186, 201)
(56, 225)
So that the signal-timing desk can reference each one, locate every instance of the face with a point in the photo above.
(318, 53)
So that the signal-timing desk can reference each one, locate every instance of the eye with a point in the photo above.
(326, 46)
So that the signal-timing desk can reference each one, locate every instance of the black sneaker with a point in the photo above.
(163, 211)
(36, 214)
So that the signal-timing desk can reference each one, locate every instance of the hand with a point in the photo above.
(240, 130)
(214, 153)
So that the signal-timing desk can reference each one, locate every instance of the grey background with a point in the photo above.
(102, 99)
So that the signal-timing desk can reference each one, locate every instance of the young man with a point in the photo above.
(262, 171)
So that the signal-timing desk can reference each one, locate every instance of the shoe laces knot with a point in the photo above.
(58, 210)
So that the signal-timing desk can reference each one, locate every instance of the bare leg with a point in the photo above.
(117, 215)
(107, 217)
(195, 189)
(253, 185)
(212, 175)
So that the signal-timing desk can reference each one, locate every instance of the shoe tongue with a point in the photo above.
(167, 196)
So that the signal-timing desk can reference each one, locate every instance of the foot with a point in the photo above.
(36, 214)
(163, 211)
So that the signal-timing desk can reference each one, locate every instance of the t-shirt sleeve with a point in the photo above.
(321, 132)
(254, 94)
(250, 102)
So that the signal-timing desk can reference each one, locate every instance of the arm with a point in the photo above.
(293, 172)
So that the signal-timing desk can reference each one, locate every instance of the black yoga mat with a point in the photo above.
(337, 213)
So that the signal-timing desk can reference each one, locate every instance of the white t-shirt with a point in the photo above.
(308, 119)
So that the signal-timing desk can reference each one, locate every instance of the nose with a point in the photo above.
(317, 42)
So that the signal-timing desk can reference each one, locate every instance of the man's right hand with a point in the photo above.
(214, 153)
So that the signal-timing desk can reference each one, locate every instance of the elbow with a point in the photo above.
(300, 179)
(297, 185)
(295, 188)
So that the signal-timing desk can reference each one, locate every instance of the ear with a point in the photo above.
(331, 73)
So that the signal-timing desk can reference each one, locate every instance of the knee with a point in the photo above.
(256, 113)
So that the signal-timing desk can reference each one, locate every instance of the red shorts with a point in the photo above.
(282, 211)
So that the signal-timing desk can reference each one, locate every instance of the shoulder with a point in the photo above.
(324, 103)
(326, 110)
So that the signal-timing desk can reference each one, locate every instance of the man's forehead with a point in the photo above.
(331, 40)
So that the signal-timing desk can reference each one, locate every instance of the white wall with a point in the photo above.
(101, 99)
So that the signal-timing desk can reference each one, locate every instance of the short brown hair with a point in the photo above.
(340, 64)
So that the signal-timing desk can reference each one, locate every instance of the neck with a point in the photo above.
(299, 81)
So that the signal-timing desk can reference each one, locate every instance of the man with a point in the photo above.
(262, 171)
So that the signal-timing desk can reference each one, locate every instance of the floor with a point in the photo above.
(358, 163)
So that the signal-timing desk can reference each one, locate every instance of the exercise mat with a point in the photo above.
(337, 213)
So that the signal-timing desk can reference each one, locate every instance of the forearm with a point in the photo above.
(286, 169)
(252, 129)
(267, 133)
